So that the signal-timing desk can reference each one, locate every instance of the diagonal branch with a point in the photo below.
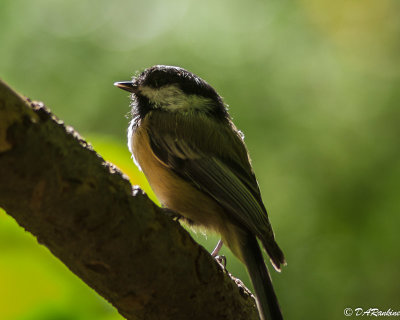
(109, 234)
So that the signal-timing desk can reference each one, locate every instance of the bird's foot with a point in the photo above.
(221, 260)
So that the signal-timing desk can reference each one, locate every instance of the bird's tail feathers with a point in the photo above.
(267, 302)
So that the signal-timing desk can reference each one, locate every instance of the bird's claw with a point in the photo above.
(221, 260)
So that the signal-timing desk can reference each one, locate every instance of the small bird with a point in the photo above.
(183, 139)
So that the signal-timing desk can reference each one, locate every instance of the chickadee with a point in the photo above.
(195, 159)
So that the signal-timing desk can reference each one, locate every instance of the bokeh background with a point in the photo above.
(315, 87)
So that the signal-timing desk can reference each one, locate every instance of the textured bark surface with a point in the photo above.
(109, 234)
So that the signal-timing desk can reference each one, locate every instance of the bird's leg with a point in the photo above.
(215, 252)
(220, 259)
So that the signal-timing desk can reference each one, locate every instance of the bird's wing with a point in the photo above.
(231, 183)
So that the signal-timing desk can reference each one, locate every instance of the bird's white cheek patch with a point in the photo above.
(174, 99)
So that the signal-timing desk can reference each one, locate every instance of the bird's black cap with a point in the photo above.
(161, 75)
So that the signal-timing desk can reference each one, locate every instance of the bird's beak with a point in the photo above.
(127, 85)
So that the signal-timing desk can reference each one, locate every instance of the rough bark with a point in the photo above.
(109, 234)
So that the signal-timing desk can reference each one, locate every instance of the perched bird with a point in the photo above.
(195, 159)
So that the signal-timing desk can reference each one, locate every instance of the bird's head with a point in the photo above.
(172, 89)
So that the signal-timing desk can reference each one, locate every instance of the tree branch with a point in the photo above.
(109, 234)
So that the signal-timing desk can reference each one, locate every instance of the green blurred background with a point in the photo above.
(313, 84)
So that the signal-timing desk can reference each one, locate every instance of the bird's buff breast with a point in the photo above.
(173, 191)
